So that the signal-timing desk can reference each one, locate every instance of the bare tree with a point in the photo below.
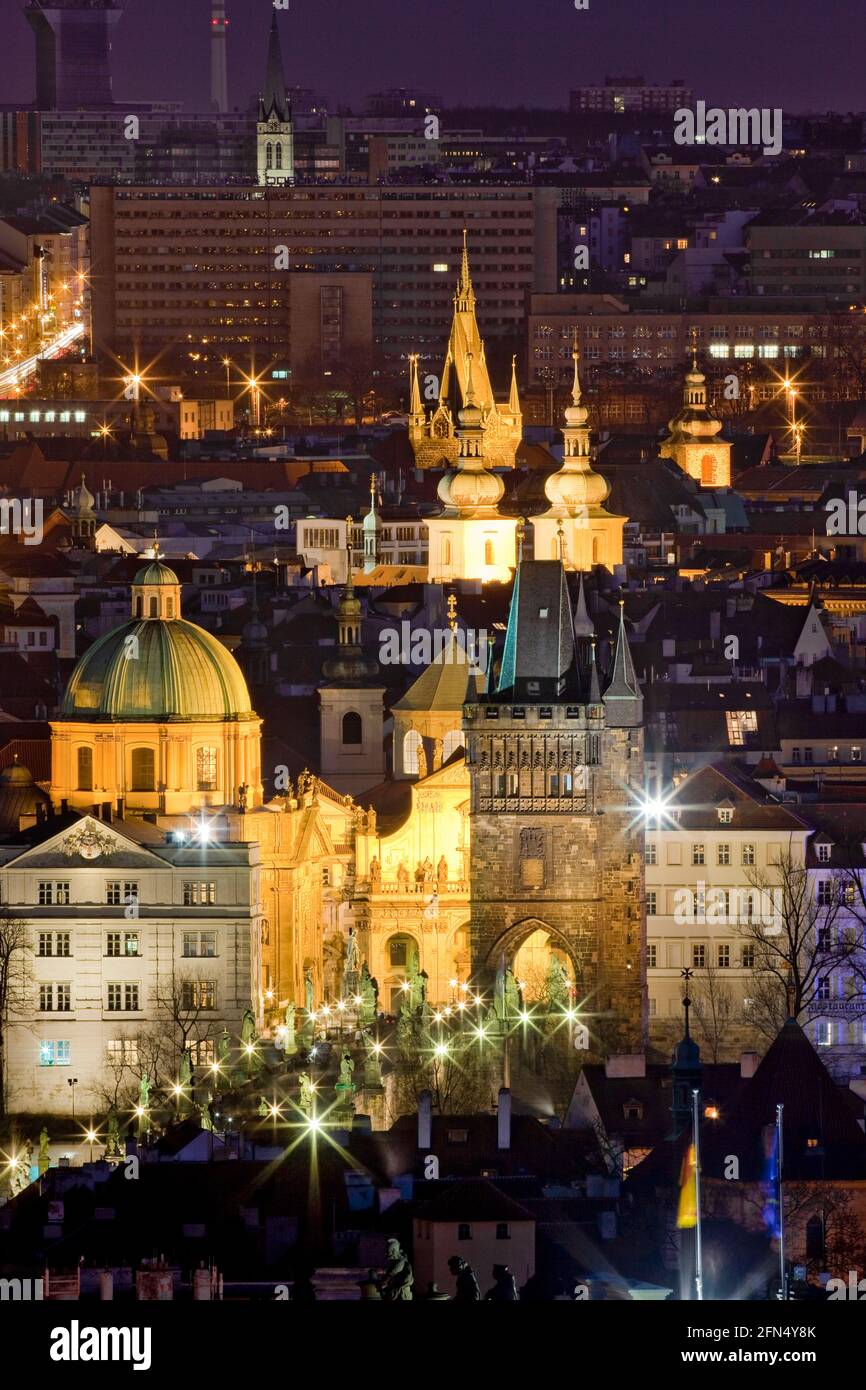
(179, 999)
(796, 942)
(16, 984)
(714, 1008)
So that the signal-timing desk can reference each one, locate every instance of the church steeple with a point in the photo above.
(693, 441)
(274, 130)
(623, 700)
(372, 531)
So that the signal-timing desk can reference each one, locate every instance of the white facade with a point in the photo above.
(120, 922)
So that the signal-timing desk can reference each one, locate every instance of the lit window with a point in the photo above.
(740, 723)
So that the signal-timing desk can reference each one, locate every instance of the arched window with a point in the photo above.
(85, 769)
(138, 608)
(143, 770)
(411, 747)
(596, 550)
(353, 729)
(269, 156)
(446, 551)
(169, 608)
(206, 769)
(453, 739)
(279, 149)
(154, 607)
(488, 553)
(708, 469)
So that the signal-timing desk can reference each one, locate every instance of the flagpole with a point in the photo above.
(699, 1262)
(784, 1291)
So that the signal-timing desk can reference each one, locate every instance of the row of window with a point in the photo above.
(856, 755)
(143, 760)
(59, 944)
(53, 893)
(121, 1051)
(699, 854)
(125, 996)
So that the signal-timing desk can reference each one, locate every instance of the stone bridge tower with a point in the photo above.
(555, 758)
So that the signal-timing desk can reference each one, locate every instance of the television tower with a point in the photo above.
(219, 83)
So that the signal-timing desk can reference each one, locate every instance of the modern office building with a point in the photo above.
(73, 52)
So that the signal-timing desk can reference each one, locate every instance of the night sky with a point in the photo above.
(798, 54)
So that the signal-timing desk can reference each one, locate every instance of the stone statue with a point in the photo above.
(442, 872)
(243, 797)
(264, 1108)
(223, 1045)
(248, 1028)
(499, 990)
(44, 1159)
(345, 1085)
(556, 985)
(396, 1283)
(308, 988)
(375, 871)
(427, 868)
(437, 754)
(143, 1093)
(371, 820)
(185, 1067)
(372, 1061)
(422, 760)
(353, 961)
(206, 1118)
(402, 876)
(369, 995)
(112, 1145)
(513, 997)
(307, 1093)
(289, 1044)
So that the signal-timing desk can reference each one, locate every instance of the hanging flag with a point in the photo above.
(687, 1211)
(770, 1182)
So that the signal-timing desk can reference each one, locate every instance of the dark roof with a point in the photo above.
(475, 1200)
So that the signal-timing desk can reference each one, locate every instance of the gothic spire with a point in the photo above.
(623, 698)
(274, 99)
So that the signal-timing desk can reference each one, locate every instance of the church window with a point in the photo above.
(154, 607)
(512, 784)
(553, 787)
(596, 550)
(279, 154)
(85, 769)
(500, 784)
(452, 741)
(446, 551)
(398, 951)
(352, 730)
(169, 608)
(206, 769)
(708, 469)
(488, 553)
(269, 155)
(411, 746)
(143, 769)
(138, 607)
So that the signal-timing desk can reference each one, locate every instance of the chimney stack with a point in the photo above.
(425, 1120)
(503, 1119)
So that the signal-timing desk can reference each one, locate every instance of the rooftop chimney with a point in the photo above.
(425, 1120)
(503, 1119)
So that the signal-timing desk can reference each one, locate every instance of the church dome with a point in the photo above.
(468, 488)
(156, 573)
(19, 796)
(150, 670)
(572, 488)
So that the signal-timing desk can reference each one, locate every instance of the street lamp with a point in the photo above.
(72, 1082)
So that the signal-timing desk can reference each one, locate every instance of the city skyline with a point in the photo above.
(499, 61)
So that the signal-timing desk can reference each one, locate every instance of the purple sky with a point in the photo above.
(798, 54)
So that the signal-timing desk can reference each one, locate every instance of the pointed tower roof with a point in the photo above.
(274, 100)
(583, 624)
(822, 1139)
(470, 489)
(623, 699)
(574, 489)
(448, 682)
(513, 396)
(539, 653)
(415, 406)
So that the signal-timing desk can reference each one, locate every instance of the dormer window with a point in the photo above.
(726, 815)
(633, 1110)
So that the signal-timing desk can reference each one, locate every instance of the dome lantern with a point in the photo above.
(156, 592)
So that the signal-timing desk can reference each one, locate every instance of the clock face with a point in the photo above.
(90, 851)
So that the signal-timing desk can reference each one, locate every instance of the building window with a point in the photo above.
(824, 854)
(699, 956)
(206, 769)
(452, 741)
(651, 902)
(199, 894)
(748, 957)
(57, 893)
(122, 944)
(740, 723)
(54, 943)
(199, 943)
(464, 1231)
(143, 770)
(352, 730)
(723, 856)
(121, 892)
(85, 769)
(55, 1053)
(826, 892)
(650, 853)
(723, 960)
(652, 956)
(122, 1052)
(489, 557)
(411, 746)
(748, 855)
(698, 854)
(198, 994)
(203, 1052)
(822, 990)
(503, 1230)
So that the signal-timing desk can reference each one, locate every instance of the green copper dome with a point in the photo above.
(148, 670)
(156, 573)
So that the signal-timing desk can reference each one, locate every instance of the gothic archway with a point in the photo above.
(528, 947)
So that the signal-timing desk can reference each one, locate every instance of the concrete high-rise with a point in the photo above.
(73, 52)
